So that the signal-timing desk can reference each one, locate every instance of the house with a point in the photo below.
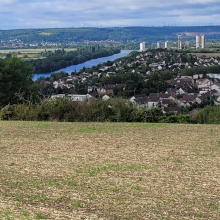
(175, 110)
(139, 101)
(77, 97)
(172, 91)
(106, 89)
(161, 96)
(187, 100)
(202, 83)
(58, 96)
(180, 91)
(166, 102)
(67, 85)
(73, 97)
(194, 112)
(108, 74)
(92, 89)
(104, 68)
(153, 102)
(55, 84)
(216, 86)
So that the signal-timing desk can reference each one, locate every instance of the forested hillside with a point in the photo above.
(148, 34)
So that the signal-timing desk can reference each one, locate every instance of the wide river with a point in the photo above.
(87, 64)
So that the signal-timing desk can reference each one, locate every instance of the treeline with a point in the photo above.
(65, 35)
(60, 58)
(98, 110)
(200, 70)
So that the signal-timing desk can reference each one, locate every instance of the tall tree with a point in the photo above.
(16, 84)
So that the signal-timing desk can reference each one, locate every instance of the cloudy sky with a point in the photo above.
(16, 14)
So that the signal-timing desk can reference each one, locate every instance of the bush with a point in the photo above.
(6, 112)
(209, 115)
(97, 110)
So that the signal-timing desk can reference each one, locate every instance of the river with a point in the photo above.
(87, 64)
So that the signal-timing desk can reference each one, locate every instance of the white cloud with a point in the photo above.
(66, 13)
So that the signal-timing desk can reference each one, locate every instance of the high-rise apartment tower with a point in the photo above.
(142, 46)
(180, 42)
(200, 41)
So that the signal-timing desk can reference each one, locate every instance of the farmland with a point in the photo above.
(30, 53)
(51, 170)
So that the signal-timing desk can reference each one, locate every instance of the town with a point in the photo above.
(171, 80)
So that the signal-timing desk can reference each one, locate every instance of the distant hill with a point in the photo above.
(148, 34)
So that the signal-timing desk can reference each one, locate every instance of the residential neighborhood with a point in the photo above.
(184, 81)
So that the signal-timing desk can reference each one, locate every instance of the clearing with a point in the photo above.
(51, 170)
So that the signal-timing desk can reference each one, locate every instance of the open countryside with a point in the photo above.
(30, 53)
(52, 170)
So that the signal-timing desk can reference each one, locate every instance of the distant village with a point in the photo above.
(183, 91)
(17, 43)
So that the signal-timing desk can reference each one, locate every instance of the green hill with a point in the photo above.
(148, 34)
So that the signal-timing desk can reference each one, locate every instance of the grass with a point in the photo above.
(28, 54)
(33, 51)
(51, 170)
(45, 33)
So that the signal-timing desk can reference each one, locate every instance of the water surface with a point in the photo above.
(87, 64)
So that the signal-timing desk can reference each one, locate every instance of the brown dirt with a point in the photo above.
(109, 171)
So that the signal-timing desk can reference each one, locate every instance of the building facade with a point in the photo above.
(142, 46)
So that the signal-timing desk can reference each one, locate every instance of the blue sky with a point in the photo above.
(16, 14)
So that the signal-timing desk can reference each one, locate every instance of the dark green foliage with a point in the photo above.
(147, 115)
(187, 72)
(59, 75)
(209, 115)
(200, 70)
(16, 84)
(117, 110)
(209, 69)
(63, 35)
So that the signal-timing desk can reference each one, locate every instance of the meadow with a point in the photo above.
(30, 53)
(51, 170)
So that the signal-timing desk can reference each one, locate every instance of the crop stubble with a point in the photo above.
(109, 171)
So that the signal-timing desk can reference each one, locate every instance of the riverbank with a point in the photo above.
(60, 58)
(87, 64)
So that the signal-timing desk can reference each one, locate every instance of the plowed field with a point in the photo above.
(51, 170)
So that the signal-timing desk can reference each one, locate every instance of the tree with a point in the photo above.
(187, 72)
(16, 84)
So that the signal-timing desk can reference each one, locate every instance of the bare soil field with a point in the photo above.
(51, 170)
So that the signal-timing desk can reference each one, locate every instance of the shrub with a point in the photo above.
(209, 115)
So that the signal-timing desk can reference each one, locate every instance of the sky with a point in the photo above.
(21, 14)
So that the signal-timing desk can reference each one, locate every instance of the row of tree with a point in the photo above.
(200, 70)
(98, 110)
